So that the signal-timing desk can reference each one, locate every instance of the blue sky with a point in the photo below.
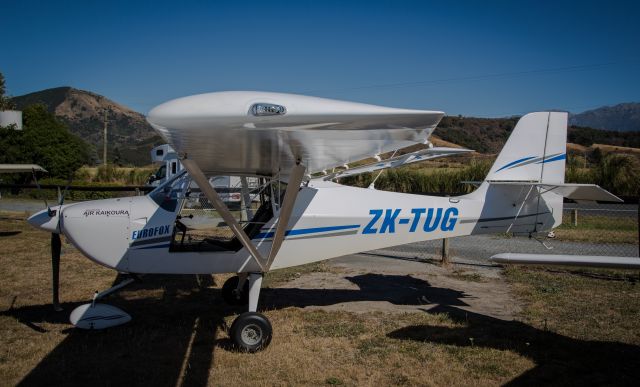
(476, 58)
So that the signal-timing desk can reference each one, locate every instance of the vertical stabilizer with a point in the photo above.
(535, 151)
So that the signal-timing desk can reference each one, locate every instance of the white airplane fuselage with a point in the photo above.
(329, 220)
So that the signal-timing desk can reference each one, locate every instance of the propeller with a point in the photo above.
(56, 244)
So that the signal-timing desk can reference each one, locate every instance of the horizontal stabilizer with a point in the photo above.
(398, 161)
(577, 192)
(567, 260)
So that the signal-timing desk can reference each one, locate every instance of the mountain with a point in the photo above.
(488, 135)
(129, 136)
(484, 135)
(624, 117)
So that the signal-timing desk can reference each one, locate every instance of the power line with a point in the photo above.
(476, 77)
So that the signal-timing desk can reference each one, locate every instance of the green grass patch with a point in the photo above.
(582, 303)
(598, 229)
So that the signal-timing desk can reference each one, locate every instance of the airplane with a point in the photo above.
(17, 168)
(299, 147)
(20, 168)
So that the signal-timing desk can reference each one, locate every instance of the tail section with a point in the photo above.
(524, 190)
(535, 152)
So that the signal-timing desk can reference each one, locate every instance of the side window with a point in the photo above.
(201, 228)
(168, 194)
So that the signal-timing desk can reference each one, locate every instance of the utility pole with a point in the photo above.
(104, 150)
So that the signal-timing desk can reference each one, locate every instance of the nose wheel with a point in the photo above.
(251, 331)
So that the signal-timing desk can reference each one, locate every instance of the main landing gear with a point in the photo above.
(251, 331)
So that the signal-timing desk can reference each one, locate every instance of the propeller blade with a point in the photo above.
(56, 246)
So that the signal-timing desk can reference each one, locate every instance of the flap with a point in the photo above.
(398, 161)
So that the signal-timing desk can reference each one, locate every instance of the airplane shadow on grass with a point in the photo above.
(169, 342)
(560, 360)
(172, 339)
(9, 233)
(396, 289)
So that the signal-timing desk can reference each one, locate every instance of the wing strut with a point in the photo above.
(211, 194)
(293, 187)
(290, 195)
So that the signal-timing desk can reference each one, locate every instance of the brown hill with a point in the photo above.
(130, 137)
(488, 135)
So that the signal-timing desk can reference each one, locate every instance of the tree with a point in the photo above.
(5, 102)
(44, 140)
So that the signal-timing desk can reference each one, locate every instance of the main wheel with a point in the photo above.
(230, 293)
(251, 332)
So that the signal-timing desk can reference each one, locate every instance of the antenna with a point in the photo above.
(104, 150)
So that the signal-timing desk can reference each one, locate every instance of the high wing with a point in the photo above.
(567, 260)
(260, 133)
(573, 191)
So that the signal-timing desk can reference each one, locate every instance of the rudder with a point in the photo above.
(535, 150)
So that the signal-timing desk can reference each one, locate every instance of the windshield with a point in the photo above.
(167, 194)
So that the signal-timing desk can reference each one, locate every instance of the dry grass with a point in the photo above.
(437, 141)
(179, 332)
(599, 229)
(616, 149)
(576, 147)
(586, 304)
(465, 275)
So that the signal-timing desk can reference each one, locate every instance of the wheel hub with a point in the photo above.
(251, 334)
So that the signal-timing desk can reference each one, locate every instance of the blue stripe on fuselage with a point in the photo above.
(304, 231)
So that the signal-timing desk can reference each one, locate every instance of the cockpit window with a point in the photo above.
(168, 194)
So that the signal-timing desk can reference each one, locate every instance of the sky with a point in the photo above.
(474, 58)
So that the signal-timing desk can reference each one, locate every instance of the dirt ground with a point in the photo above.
(369, 282)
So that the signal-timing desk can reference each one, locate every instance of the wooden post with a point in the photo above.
(574, 217)
(445, 251)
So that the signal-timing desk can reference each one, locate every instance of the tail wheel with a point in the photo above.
(251, 332)
(232, 295)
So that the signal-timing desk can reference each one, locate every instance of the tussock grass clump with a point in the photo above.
(420, 181)
(617, 173)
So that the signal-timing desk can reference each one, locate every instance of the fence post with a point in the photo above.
(445, 251)
(574, 217)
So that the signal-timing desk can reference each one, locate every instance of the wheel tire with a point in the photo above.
(251, 332)
(230, 295)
